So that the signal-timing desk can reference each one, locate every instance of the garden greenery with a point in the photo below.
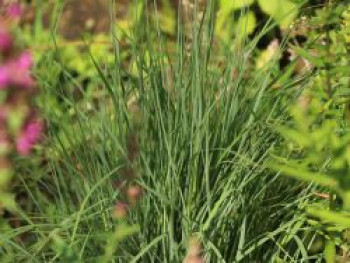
(168, 139)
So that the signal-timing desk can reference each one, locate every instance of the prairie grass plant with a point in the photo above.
(167, 145)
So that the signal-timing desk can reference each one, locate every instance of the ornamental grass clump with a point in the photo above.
(20, 125)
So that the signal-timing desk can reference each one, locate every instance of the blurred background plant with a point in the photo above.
(244, 17)
(317, 146)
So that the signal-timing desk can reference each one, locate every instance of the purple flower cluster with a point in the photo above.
(20, 127)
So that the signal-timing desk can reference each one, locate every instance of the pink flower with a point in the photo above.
(14, 10)
(22, 78)
(17, 72)
(21, 75)
(29, 136)
(4, 77)
(5, 41)
(25, 61)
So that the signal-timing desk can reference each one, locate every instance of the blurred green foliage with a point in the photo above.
(237, 19)
(318, 139)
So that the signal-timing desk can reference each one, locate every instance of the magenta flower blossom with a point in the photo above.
(14, 10)
(5, 41)
(29, 136)
(20, 71)
(25, 61)
(16, 73)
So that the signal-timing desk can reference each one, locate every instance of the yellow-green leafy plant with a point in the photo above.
(238, 18)
(317, 138)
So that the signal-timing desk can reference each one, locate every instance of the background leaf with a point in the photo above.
(283, 11)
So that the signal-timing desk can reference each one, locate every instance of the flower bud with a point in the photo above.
(120, 210)
(194, 253)
(134, 193)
